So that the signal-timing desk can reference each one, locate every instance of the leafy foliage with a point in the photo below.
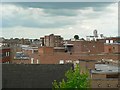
(75, 79)
(76, 37)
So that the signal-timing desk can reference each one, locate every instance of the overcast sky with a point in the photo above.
(33, 20)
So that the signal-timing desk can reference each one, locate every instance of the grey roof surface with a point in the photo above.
(105, 68)
(21, 56)
(32, 75)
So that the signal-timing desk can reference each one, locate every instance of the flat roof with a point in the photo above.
(105, 68)
(59, 48)
(87, 60)
(4, 48)
(69, 44)
(112, 43)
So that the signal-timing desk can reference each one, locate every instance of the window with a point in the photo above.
(0, 55)
(32, 60)
(113, 47)
(112, 76)
(37, 61)
(110, 50)
(99, 85)
(35, 51)
(118, 85)
(6, 53)
(107, 41)
(61, 62)
(108, 85)
(94, 46)
(3, 54)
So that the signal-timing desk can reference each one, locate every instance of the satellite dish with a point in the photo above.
(95, 33)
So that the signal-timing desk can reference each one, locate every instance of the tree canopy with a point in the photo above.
(75, 79)
(76, 37)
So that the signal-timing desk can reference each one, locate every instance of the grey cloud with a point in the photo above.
(62, 8)
(12, 22)
(61, 5)
(53, 10)
(61, 12)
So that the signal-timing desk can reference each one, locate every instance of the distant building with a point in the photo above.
(112, 39)
(105, 76)
(36, 42)
(42, 41)
(74, 50)
(112, 45)
(95, 36)
(27, 55)
(53, 50)
(5, 53)
(52, 41)
(21, 56)
(95, 33)
(102, 75)
(86, 46)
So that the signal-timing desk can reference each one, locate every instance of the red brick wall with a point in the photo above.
(21, 61)
(28, 52)
(53, 59)
(93, 46)
(6, 58)
(112, 48)
(45, 50)
(87, 46)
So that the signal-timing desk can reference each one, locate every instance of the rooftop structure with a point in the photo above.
(52, 40)
(106, 68)
(21, 56)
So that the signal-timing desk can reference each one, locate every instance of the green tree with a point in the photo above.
(76, 37)
(75, 79)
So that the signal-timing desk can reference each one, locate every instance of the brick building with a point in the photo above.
(27, 55)
(13, 41)
(112, 45)
(112, 48)
(112, 40)
(86, 46)
(52, 40)
(69, 50)
(74, 50)
(5, 53)
(102, 75)
(105, 76)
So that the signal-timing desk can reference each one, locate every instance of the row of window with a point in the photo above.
(7, 62)
(108, 85)
(67, 61)
(4, 44)
(5, 54)
(32, 61)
